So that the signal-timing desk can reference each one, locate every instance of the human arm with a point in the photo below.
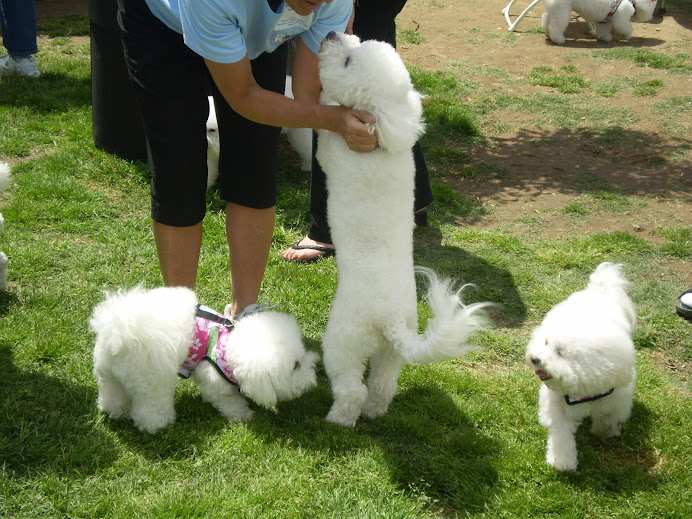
(247, 98)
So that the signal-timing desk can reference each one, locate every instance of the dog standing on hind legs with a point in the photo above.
(584, 355)
(374, 315)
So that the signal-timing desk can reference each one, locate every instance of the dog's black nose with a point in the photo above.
(331, 35)
(535, 360)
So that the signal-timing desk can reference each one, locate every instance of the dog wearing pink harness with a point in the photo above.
(146, 338)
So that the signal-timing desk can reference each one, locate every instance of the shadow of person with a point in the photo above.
(47, 424)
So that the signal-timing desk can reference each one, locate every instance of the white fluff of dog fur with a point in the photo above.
(4, 184)
(557, 16)
(370, 210)
(144, 336)
(583, 348)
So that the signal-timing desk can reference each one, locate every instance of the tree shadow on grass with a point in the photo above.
(613, 160)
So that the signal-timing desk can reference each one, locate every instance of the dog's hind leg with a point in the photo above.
(345, 363)
(383, 380)
(153, 404)
(112, 399)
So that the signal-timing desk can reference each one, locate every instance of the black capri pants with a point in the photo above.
(171, 85)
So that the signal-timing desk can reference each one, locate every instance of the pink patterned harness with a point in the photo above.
(212, 332)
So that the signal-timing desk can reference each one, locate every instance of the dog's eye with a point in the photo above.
(558, 351)
(212, 130)
(297, 366)
(347, 62)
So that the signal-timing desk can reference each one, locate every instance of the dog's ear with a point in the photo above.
(399, 121)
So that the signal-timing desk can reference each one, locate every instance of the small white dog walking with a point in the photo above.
(603, 16)
(4, 184)
(374, 315)
(146, 338)
(584, 355)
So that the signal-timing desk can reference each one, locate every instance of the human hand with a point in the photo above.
(359, 130)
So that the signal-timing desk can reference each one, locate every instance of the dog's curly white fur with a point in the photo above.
(370, 210)
(604, 17)
(4, 184)
(582, 350)
(144, 336)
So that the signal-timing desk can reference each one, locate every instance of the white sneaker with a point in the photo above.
(20, 65)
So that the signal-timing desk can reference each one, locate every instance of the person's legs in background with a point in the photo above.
(374, 20)
(18, 25)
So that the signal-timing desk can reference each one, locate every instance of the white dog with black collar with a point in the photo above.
(584, 355)
(605, 17)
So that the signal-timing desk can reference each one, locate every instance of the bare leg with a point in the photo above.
(249, 233)
(178, 249)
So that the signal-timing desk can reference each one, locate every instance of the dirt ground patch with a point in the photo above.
(646, 157)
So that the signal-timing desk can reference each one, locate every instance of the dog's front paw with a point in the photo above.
(336, 418)
(244, 415)
(237, 413)
(605, 429)
(373, 410)
(562, 464)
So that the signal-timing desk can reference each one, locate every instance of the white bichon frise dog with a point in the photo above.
(4, 184)
(584, 355)
(146, 338)
(370, 200)
(604, 17)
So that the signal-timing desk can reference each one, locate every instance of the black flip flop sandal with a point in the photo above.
(328, 252)
(684, 311)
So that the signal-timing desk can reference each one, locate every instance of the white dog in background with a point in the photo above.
(213, 145)
(604, 17)
(4, 184)
(300, 140)
(374, 314)
(146, 338)
(584, 355)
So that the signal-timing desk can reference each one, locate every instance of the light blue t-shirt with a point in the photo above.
(225, 30)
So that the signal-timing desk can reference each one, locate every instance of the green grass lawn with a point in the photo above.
(461, 437)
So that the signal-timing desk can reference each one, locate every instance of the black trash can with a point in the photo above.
(117, 126)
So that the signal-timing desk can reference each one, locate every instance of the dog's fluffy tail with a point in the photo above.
(447, 331)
